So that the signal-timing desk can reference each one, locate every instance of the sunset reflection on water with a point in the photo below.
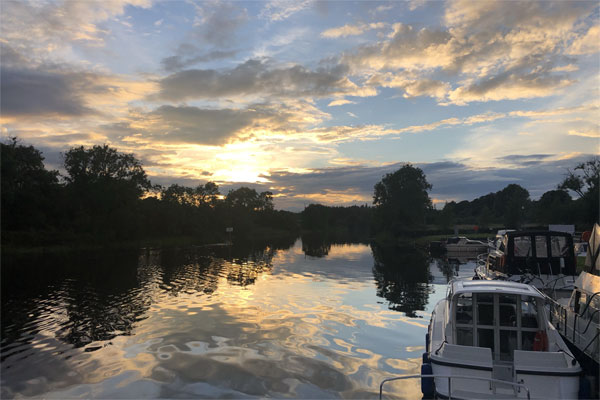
(209, 323)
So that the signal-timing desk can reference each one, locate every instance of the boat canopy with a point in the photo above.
(538, 252)
(592, 260)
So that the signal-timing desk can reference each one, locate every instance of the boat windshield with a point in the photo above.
(502, 322)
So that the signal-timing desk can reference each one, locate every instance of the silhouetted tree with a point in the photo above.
(401, 200)
(554, 207)
(513, 201)
(584, 180)
(29, 191)
(249, 199)
(104, 187)
(102, 164)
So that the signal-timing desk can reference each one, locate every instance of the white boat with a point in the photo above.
(460, 244)
(494, 335)
(544, 259)
(577, 318)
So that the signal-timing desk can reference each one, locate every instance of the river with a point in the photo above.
(300, 320)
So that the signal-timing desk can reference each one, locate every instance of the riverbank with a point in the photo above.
(65, 243)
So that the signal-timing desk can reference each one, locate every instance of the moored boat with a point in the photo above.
(495, 336)
(544, 259)
(460, 244)
(577, 318)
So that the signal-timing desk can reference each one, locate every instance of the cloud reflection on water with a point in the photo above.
(276, 324)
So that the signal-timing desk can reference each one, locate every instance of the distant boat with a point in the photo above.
(491, 339)
(460, 244)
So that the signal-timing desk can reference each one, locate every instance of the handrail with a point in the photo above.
(587, 305)
(591, 341)
(449, 377)
(589, 322)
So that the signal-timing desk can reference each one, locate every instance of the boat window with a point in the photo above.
(508, 344)
(522, 246)
(485, 338)
(485, 309)
(541, 249)
(508, 310)
(528, 313)
(503, 322)
(527, 339)
(464, 309)
(464, 336)
(559, 246)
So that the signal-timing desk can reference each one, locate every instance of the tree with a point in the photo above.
(249, 199)
(401, 199)
(512, 202)
(28, 190)
(101, 164)
(554, 207)
(584, 178)
(104, 187)
(208, 194)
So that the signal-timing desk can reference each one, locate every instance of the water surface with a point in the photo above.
(309, 321)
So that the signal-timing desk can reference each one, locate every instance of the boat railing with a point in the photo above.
(515, 385)
(570, 332)
(587, 304)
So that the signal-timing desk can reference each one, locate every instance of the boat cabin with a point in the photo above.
(536, 252)
(501, 316)
(497, 331)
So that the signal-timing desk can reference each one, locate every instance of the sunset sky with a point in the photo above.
(314, 101)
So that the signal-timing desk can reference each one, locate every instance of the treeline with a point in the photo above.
(402, 207)
(512, 206)
(105, 196)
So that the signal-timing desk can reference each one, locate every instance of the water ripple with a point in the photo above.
(191, 323)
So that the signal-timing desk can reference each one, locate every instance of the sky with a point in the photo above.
(313, 100)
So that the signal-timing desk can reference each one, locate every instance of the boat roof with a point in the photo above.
(484, 286)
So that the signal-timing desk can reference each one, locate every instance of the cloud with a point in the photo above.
(182, 61)
(44, 27)
(488, 51)
(217, 22)
(351, 30)
(427, 87)
(279, 10)
(509, 86)
(590, 133)
(381, 8)
(257, 78)
(215, 127)
(340, 102)
(39, 92)
(586, 44)
(194, 125)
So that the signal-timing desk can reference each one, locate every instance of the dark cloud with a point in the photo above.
(196, 125)
(10, 57)
(524, 160)
(181, 61)
(220, 22)
(188, 124)
(255, 78)
(39, 92)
